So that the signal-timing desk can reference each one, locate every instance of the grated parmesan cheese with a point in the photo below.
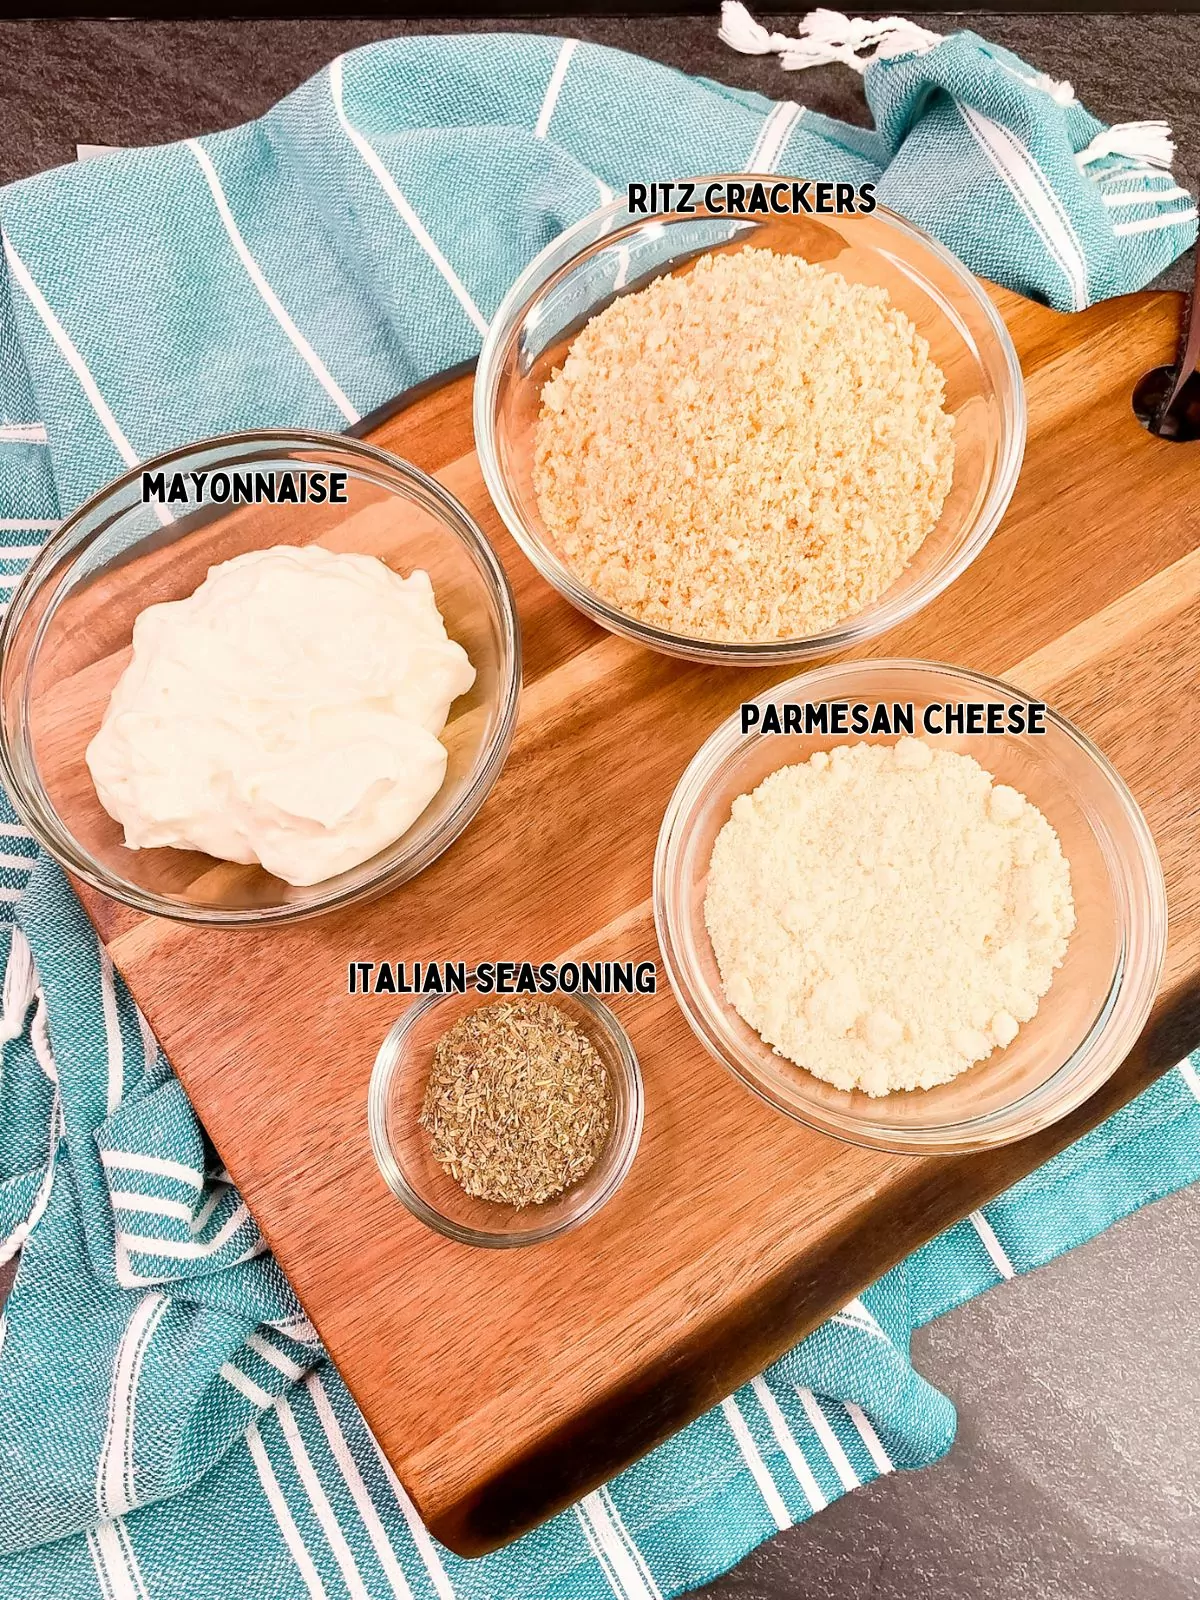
(752, 450)
(886, 916)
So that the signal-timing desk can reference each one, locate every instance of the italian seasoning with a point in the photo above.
(518, 1106)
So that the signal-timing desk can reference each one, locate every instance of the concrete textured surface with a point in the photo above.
(1075, 1475)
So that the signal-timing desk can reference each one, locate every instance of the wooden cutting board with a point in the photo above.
(504, 1384)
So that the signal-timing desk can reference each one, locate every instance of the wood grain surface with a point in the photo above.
(503, 1384)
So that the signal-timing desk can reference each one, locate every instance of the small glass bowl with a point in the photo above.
(1100, 997)
(65, 641)
(612, 252)
(402, 1149)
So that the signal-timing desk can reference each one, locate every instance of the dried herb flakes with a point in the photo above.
(518, 1106)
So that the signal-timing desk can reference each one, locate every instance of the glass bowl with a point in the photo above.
(402, 1149)
(65, 641)
(1100, 997)
(611, 252)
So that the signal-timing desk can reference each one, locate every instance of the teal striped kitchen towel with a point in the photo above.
(170, 1428)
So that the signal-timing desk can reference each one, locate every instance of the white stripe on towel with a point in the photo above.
(109, 1550)
(126, 1200)
(273, 303)
(623, 1564)
(562, 62)
(1172, 219)
(1108, 181)
(245, 1385)
(154, 1205)
(188, 1249)
(420, 1533)
(111, 1564)
(131, 1558)
(275, 1358)
(74, 360)
(856, 1315)
(342, 1553)
(833, 1448)
(76, 363)
(139, 1359)
(126, 1276)
(758, 1468)
(160, 1166)
(1191, 1077)
(1026, 183)
(98, 1562)
(287, 1525)
(870, 1438)
(598, 1552)
(773, 135)
(22, 433)
(114, 1470)
(1146, 197)
(639, 1560)
(992, 1245)
(297, 1327)
(394, 194)
(358, 1489)
(789, 1444)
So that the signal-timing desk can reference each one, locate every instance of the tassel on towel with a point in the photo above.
(826, 36)
(20, 986)
(1150, 142)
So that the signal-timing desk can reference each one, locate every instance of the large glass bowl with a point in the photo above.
(611, 252)
(66, 640)
(1100, 997)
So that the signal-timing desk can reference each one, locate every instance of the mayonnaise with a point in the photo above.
(287, 712)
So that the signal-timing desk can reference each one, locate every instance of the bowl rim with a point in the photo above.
(559, 257)
(1038, 1107)
(41, 817)
(626, 1135)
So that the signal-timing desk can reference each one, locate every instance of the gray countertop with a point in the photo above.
(1075, 1475)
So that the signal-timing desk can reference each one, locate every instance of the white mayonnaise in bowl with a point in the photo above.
(66, 641)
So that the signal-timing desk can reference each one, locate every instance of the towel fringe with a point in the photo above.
(825, 36)
(1060, 90)
(20, 986)
(1150, 142)
(39, 1037)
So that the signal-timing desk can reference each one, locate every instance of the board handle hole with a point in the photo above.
(1182, 423)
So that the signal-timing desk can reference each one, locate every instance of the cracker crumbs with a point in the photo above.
(518, 1105)
(752, 450)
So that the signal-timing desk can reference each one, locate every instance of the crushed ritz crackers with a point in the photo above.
(751, 450)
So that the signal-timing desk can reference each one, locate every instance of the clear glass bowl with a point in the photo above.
(1100, 997)
(610, 252)
(66, 637)
(402, 1148)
